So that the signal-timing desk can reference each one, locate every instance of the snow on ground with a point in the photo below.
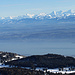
(0, 63)
(66, 70)
(4, 55)
(3, 65)
(13, 59)
(18, 56)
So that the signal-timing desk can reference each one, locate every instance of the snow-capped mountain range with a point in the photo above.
(69, 15)
(54, 14)
(55, 25)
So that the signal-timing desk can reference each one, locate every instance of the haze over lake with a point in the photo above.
(41, 34)
(32, 47)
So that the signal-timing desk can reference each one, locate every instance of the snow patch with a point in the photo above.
(2, 18)
(14, 59)
(4, 55)
(30, 15)
(65, 70)
(19, 56)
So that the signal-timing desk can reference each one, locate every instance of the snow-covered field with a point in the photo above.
(66, 70)
(57, 70)
(3, 65)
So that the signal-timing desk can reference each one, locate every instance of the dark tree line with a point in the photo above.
(6, 56)
(49, 61)
(23, 71)
(19, 71)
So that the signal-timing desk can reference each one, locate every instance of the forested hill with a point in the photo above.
(48, 60)
(8, 56)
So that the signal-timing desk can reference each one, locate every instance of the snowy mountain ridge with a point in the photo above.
(32, 18)
(53, 14)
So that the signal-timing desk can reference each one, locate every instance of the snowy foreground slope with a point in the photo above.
(8, 56)
(51, 62)
(63, 72)
(66, 70)
(16, 57)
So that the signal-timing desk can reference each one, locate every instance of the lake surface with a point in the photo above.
(32, 47)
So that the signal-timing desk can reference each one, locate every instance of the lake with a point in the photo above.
(38, 47)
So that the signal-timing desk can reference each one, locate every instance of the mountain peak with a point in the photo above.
(53, 14)
(69, 12)
(42, 14)
(30, 15)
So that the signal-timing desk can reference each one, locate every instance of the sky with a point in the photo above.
(22, 7)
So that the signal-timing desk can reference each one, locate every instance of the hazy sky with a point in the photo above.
(21, 7)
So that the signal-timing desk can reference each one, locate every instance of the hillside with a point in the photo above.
(22, 71)
(8, 56)
(48, 60)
